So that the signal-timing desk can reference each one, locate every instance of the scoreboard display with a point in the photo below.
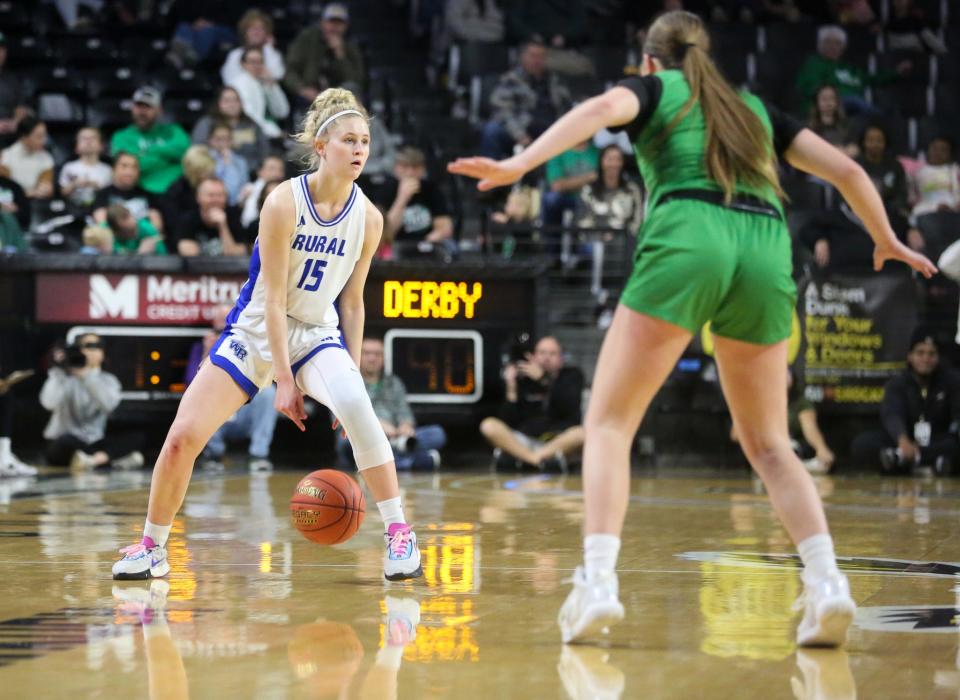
(444, 328)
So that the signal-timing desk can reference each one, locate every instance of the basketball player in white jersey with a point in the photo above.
(318, 233)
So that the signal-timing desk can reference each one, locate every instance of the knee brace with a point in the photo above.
(345, 394)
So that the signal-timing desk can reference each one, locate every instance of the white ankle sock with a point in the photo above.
(157, 533)
(600, 553)
(818, 558)
(5, 450)
(391, 511)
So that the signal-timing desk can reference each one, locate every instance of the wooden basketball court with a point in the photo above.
(252, 610)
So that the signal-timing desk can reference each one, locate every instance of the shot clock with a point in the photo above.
(443, 329)
(437, 366)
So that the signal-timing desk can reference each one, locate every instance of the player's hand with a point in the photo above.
(491, 173)
(336, 424)
(898, 251)
(289, 402)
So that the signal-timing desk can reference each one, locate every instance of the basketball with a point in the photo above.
(327, 507)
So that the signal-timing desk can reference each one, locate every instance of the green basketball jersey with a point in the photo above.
(677, 161)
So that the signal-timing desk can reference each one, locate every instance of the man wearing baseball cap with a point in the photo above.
(158, 146)
(321, 57)
(919, 415)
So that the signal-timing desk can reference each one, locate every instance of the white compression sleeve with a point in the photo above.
(331, 378)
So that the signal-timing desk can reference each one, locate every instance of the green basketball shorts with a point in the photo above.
(697, 262)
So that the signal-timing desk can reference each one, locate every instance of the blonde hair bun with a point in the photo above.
(324, 106)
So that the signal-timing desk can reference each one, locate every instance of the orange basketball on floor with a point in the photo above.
(327, 507)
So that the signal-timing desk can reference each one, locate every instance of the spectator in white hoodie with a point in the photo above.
(255, 30)
(262, 97)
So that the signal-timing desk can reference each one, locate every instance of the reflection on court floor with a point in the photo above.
(251, 609)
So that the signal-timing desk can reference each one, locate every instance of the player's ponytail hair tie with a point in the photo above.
(686, 46)
(342, 113)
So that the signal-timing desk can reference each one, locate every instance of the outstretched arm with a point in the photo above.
(617, 106)
(813, 155)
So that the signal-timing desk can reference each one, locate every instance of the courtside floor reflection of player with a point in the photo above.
(318, 233)
(713, 247)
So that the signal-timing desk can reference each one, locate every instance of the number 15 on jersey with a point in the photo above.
(312, 275)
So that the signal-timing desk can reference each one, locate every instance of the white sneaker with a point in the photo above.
(141, 563)
(828, 612)
(14, 467)
(591, 607)
(23, 469)
(402, 559)
(261, 465)
(213, 466)
(82, 462)
(587, 674)
(403, 616)
(129, 462)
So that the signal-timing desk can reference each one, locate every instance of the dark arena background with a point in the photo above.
(138, 256)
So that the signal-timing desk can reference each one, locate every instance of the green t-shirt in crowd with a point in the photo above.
(848, 79)
(572, 163)
(159, 150)
(144, 230)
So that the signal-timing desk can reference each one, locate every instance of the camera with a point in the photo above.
(74, 357)
(518, 348)
(404, 443)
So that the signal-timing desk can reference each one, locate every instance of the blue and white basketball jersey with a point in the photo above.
(323, 255)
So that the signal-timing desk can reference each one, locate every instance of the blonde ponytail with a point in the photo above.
(325, 105)
(738, 149)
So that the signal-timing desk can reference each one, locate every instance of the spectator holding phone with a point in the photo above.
(540, 422)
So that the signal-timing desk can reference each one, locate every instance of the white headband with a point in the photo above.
(335, 116)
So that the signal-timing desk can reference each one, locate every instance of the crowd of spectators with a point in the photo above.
(270, 63)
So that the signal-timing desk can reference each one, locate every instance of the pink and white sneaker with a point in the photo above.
(401, 561)
(141, 561)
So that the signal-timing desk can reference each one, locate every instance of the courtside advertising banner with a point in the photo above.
(136, 299)
(856, 329)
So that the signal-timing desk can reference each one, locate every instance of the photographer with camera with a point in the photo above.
(81, 396)
(413, 447)
(540, 420)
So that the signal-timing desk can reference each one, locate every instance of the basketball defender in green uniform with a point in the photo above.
(713, 247)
